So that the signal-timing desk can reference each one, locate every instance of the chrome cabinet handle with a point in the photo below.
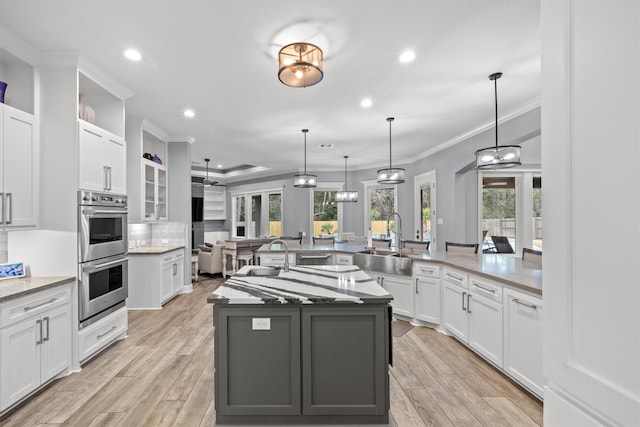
(29, 308)
(46, 319)
(451, 276)
(464, 294)
(105, 186)
(469, 303)
(417, 292)
(482, 288)
(2, 195)
(10, 205)
(429, 270)
(517, 301)
(39, 325)
(315, 256)
(113, 328)
(106, 264)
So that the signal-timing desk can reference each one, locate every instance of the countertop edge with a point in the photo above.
(15, 288)
(154, 250)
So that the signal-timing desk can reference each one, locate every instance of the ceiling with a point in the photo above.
(219, 58)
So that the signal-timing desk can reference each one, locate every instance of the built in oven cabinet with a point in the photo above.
(102, 232)
(103, 284)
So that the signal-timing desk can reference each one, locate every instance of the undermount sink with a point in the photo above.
(384, 263)
(263, 272)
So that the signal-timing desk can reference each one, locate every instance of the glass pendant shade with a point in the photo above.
(390, 175)
(346, 195)
(300, 64)
(500, 156)
(305, 180)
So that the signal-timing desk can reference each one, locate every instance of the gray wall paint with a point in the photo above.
(456, 182)
(179, 176)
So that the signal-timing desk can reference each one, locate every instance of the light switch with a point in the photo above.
(261, 324)
(440, 221)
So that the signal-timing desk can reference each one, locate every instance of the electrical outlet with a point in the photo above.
(261, 324)
(165, 240)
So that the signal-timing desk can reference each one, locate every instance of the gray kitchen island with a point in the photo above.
(306, 346)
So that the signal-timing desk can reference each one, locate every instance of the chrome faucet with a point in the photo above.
(399, 227)
(286, 252)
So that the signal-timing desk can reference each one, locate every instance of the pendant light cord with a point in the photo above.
(305, 149)
(495, 87)
(390, 119)
(345, 172)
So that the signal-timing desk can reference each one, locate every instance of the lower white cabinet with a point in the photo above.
(276, 259)
(154, 278)
(427, 292)
(401, 287)
(523, 339)
(35, 342)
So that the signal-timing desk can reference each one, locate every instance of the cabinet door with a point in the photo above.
(427, 297)
(455, 311)
(92, 175)
(56, 342)
(19, 360)
(402, 291)
(485, 327)
(18, 168)
(161, 194)
(114, 157)
(178, 275)
(523, 340)
(166, 278)
(149, 192)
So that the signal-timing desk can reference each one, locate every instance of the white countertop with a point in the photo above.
(146, 250)
(13, 288)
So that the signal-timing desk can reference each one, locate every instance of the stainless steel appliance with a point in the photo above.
(314, 258)
(102, 225)
(103, 288)
(102, 255)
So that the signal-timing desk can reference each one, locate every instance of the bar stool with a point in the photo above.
(244, 258)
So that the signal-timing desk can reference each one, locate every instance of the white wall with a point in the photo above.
(591, 158)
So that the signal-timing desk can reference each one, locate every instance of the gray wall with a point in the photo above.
(179, 177)
(456, 181)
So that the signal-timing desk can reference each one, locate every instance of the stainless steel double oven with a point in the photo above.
(102, 255)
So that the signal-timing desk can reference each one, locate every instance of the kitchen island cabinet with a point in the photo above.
(308, 346)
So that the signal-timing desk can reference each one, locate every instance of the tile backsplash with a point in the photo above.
(166, 233)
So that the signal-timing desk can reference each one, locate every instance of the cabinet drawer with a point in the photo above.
(426, 269)
(486, 288)
(33, 304)
(94, 337)
(456, 277)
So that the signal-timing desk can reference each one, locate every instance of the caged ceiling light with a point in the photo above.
(305, 180)
(498, 157)
(300, 64)
(346, 195)
(390, 175)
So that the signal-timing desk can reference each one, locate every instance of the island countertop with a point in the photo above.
(301, 285)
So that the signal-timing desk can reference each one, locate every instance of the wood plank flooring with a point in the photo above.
(162, 375)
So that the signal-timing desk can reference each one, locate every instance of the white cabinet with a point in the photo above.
(18, 173)
(276, 259)
(401, 287)
(102, 160)
(155, 192)
(154, 278)
(215, 202)
(427, 292)
(35, 342)
(98, 335)
(523, 339)
(473, 312)
(214, 237)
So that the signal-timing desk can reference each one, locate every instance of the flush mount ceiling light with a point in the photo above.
(390, 175)
(305, 180)
(498, 157)
(346, 195)
(300, 64)
(132, 54)
(189, 113)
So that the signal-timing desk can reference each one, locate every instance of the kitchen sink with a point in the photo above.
(396, 265)
(263, 272)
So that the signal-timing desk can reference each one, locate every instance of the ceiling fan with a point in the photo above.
(208, 182)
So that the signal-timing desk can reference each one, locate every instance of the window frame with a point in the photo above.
(326, 186)
(264, 210)
(374, 185)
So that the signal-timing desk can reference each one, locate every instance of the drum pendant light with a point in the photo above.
(305, 180)
(498, 157)
(346, 195)
(390, 175)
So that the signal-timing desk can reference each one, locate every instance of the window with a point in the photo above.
(326, 213)
(264, 210)
(380, 203)
(511, 206)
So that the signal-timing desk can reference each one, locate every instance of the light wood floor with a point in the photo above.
(162, 375)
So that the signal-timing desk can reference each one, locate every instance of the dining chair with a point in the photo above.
(291, 241)
(532, 256)
(416, 245)
(381, 243)
(502, 245)
(469, 248)
(324, 241)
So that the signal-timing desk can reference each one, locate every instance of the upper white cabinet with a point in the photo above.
(215, 202)
(18, 168)
(147, 184)
(102, 158)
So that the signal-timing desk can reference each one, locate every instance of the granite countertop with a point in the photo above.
(146, 250)
(301, 285)
(13, 288)
(506, 269)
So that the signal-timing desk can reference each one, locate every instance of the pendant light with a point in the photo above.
(498, 157)
(305, 180)
(390, 175)
(300, 64)
(346, 195)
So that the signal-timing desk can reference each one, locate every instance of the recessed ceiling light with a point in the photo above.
(189, 113)
(325, 146)
(407, 56)
(366, 103)
(132, 54)
(219, 166)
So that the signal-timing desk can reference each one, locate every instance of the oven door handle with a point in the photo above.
(107, 264)
(89, 212)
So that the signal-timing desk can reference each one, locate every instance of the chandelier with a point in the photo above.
(300, 64)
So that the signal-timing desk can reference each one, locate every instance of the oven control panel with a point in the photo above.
(93, 198)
